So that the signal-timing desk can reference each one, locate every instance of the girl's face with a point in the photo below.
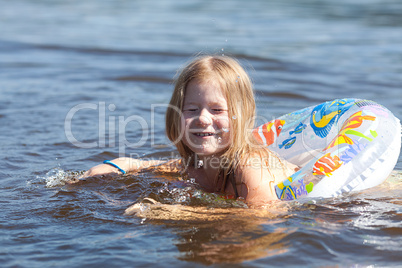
(205, 119)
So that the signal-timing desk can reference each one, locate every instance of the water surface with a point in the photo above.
(111, 60)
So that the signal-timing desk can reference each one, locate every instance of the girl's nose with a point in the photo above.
(205, 118)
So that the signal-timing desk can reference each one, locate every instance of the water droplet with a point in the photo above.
(200, 163)
(234, 117)
(225, 129)
(219, 140)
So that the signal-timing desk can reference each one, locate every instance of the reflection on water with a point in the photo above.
(209, 232)
(219, 235)
(232, 242)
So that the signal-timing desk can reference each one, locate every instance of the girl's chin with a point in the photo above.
(205, 152)
(207, 148)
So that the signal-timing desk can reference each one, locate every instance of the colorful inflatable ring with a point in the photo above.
(342, 145)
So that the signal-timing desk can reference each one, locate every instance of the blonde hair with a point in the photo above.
(238, 90)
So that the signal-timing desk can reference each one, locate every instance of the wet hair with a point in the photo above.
(238, 90)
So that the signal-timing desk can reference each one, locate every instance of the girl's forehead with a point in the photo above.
(199, 89)
(211, 92)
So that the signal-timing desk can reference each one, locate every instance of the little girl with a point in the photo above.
(210, 120)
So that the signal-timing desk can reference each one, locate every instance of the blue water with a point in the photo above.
(111, 61)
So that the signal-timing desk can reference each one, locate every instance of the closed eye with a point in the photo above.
(190, 109)
(218, 109)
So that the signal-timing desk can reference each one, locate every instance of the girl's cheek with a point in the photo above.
(223, 122)
(183, 124)
(187, 120)
(186, 124)
(184, 118)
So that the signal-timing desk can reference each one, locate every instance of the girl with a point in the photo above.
(210, 120)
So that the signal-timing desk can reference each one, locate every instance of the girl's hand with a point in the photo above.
(96, 171)
(99, 170)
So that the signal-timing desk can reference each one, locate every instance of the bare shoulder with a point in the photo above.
(256, 180)
(259, 173)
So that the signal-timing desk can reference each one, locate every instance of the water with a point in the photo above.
(75, 74)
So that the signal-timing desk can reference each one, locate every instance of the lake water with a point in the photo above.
(85, 81)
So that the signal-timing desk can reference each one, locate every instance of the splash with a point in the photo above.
(179, 200)
(58, 177)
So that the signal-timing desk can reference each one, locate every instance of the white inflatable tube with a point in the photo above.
(342, 145)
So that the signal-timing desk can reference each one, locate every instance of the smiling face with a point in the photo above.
(206, 81)
(205, 119)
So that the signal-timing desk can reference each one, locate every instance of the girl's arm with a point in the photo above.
(130, 165)
(257, 184)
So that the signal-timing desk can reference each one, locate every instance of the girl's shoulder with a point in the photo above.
(258, 173)
(264, 164)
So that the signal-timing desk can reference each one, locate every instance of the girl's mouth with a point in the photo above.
(203, 134)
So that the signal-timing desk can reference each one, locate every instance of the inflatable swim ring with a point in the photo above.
(342, 145)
